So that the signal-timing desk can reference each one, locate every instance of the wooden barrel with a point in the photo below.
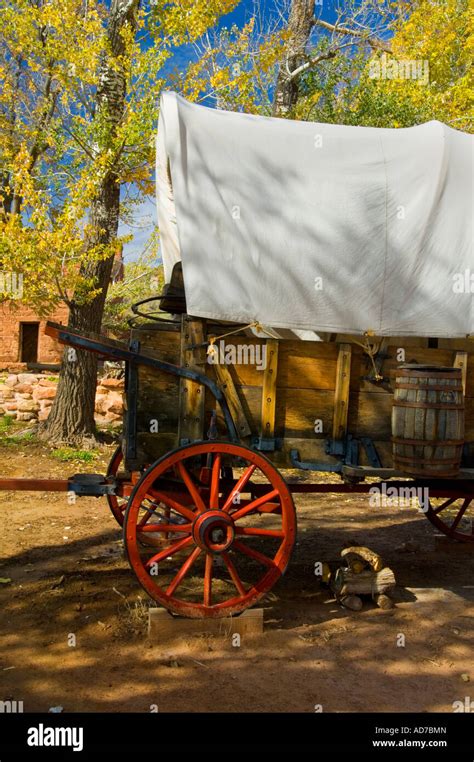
(428, 420)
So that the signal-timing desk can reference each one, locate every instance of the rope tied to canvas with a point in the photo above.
(212, 349)
(371, 350)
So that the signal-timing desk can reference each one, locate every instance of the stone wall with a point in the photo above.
(29, 397)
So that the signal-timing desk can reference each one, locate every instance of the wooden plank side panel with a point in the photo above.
(307, 365)
(295, 414)
(299, 409)
(158, 393)
(369, 414)
(154, 446)
(457, 345)
(313, 364)
(301, 365)
(164, 343)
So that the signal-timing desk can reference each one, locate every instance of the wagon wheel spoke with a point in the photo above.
(460, 514)
(257, 532)
(214, 494)
(192, 489)
(149, 512)
(254, 554)
(169, 551)
(454, 523)
(238, 487)
(208, 580)
(148, 528)
(234, 574)
(254, 504)
(183, 571)
(153, 507)
(444, 505)
(162, 497)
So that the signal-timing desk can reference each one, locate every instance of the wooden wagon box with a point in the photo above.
(308, 395)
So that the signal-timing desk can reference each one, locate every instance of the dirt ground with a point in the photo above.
(69, 577)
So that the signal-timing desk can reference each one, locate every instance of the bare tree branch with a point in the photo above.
(374, 42)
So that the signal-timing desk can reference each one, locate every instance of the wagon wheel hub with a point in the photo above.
(213, 531)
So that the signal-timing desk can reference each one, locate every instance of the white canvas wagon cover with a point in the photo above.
(317, 227)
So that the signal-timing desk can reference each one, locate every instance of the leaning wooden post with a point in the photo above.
(226, 384)
(191, 394)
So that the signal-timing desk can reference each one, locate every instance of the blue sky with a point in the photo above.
(145, 215)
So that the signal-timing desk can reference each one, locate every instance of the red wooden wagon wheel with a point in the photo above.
(116, 504)
(453, 516)
(221, 548)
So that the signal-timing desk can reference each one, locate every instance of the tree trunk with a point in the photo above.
(300, 23)
(6, 201)
(71, 419)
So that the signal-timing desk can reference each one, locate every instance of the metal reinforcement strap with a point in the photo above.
(120, 352)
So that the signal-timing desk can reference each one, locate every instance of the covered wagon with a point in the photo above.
(317, 316)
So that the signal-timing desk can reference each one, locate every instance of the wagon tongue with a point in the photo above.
(89, 484)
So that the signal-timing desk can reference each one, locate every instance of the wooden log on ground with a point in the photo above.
(384, 602)
(347, 582)
(352, 602)
(357, 552)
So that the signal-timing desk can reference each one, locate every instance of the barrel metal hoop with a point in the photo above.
(399, 373)
(428, 405)
(431, 461)
(429, 388)
(429, 442)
